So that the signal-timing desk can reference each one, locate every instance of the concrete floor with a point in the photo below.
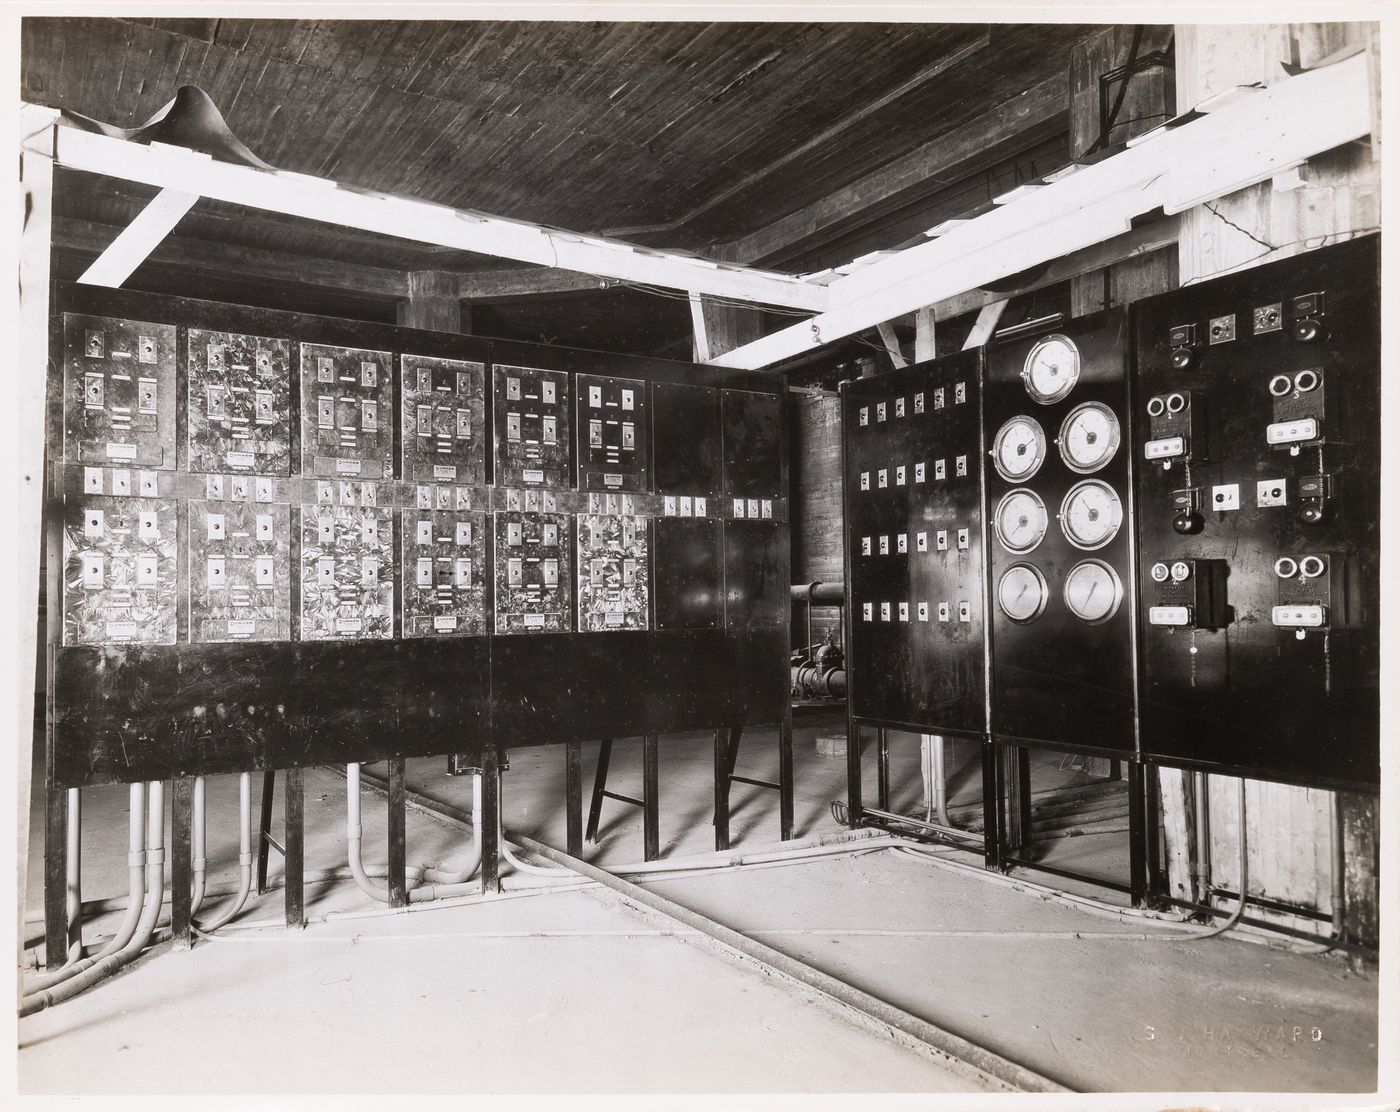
(576, 992)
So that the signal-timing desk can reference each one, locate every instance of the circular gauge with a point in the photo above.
(1052, 369)
(1022, 593)
(1160, 572)
(1093, 591)
(1020, 520)
(1019, 449)
(1091, 514)
(1089, 437)
(1181, 571)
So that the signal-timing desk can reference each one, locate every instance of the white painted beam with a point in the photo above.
(891, 342)
(1235, 146)
(697, 323)
(985, 325)
(421, 221)
(139, 238)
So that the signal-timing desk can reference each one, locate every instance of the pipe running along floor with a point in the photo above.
(575, 991)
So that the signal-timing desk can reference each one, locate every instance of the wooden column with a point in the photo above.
(721, 328)
(434, 303)
(1335, 195)
(181, 898)
(1148, 100)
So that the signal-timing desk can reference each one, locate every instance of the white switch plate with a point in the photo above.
(1271, 492)
(1225, 497)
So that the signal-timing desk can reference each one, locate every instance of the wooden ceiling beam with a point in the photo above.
(980, 141)
(1173, 170)
(134, 243)
(323, 200)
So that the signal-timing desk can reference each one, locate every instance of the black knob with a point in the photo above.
(1307, 329)
(1188, 523)
(1183, 358)
(1312, 513)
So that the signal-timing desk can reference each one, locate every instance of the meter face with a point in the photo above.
(1019, 449)
(1052, 369)
(1020, 520)
(1093, 591)
(1089, 437)
(1091, 515)
(1021, 593)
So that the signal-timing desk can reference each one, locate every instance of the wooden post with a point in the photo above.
(181, 796)
(925, 327)
(293, 857)
(1149, 99)
(651, 802)
(721, 790)
(720, 327)
(398, 849)
(490, 820)
(573, 797)
(434, 303)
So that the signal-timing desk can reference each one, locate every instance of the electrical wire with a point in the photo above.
(1310, 243)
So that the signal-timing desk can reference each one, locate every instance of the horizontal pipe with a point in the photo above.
(819, 594)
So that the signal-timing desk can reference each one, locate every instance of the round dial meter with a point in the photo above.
(1019, 449)
(1089, 437)
(1091, 514)
(1020, 520)
(1022, 593)
(1093, 591)
(1052, 369)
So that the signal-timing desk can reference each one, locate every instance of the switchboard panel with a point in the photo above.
(1058, 505)
(120, 576)
(347, 567)
(688, 451)
(118, 392)
(1258, 519)
(444, 571)
(442, 437)
(613, 433)
(347, 426)
(240, 565)
(532, 427)
(613, 572)
(753, 444)
(533, 572)
(914, 541)
(239, 412)
(756, 594)
(689, 585)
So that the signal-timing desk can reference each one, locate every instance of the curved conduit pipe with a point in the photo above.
(245, 854)
(443, 882)
(197, 861)
(108, 964)
(136, 871)
(73, 901)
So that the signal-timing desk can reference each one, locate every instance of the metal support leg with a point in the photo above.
(55, 875)
(490, 820)
(1137, 834)
(292, 852)
(991, 809)
(265, 827)
(882, 768)
(182, 797)
(854, 803)
(600, 785)
(651, 826)
(736, 737)
(785, 777)
(1019, 799)
(573, 797)
(721, 817)
(398, 822)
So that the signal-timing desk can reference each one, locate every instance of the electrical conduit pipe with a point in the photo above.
(155, 890)
(245, 854)
(136, 870)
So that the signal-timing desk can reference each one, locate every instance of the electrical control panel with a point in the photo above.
(688, 574)
(613, 567)
(1059, 507)
(753, 444)
(239, 411)
(915, 545)
(240, 568)
(533, 572)
(347, 568)
(118, 392)
(1281, 682)
(614, 431)
(532, 427)
(347, 426)
(444, 569)
(688, 449)
(442, 436)
(120, 574)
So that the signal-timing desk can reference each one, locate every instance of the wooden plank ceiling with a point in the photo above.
(682, 135)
